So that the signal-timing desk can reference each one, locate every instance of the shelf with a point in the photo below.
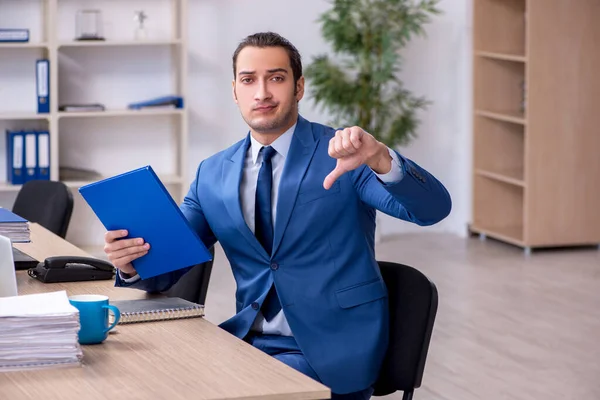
(119, 43)
(513, 177)
(498, 207)
(501, 56)
(515, 117)
(121, 113)
(508, 234)
(535, 82)
(7, 187)
(24, 45)
(165, 179)
(499, 26)
(23, 116)
(500, 88)
(499, 150)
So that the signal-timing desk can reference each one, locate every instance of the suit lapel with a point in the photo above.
(302, 148)
(233, 168)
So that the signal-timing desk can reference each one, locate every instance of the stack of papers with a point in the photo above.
(14, 227)
(38, 331)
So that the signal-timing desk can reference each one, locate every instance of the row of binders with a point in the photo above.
(28, 156)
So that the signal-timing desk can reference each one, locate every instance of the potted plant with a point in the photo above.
(362, 86)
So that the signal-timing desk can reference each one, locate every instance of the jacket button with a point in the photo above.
(255, 305)
(274, 266)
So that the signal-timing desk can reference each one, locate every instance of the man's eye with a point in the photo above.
(246, 80)
(277, 78)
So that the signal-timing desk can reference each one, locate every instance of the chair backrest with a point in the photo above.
(193, 285)
(413, 302)
(49, 203)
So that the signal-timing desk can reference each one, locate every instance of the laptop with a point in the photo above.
(8, 276)
(22, 260)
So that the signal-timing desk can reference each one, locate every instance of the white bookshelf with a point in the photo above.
(20, 116)
(166, 179)
(27, 45)
(50, 41)
(123, 113)
(113, 43)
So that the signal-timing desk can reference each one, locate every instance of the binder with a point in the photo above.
(15, 154)
(14, 35)
(138, 202)
(164, 101)
(31, 154)
(43, 85)
(43, 155)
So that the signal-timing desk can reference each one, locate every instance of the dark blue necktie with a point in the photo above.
(263, 228)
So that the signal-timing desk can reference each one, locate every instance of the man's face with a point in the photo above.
(264, 89)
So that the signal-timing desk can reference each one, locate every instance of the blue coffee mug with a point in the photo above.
(93, 317)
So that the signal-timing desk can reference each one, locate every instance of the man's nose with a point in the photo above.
(262, 92)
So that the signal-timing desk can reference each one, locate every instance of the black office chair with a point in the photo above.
(413, 302)
(49, 203)
(193, 286)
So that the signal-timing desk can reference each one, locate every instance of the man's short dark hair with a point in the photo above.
(271, 39)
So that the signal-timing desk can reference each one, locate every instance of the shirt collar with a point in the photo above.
(281, 144)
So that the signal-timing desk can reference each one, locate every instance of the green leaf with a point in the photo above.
(362, 87)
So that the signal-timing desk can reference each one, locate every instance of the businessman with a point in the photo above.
(293, 206)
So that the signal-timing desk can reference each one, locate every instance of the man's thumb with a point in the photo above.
(332, 177)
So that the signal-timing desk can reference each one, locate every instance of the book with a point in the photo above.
(81, 107)
(138, 202)
(160, 309)
(173, 101)
(14, 35)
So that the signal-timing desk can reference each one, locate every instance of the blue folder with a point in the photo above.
(8, 217)
(139, 202)
(42, 77)
(15, 157)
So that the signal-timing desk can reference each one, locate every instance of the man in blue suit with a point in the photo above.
(293, 206)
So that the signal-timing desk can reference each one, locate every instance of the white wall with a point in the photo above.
(215, 121)
(438, 67)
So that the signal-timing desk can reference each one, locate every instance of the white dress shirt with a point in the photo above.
(252, 163)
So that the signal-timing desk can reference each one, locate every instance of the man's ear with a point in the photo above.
(299, 89)
(233, 91)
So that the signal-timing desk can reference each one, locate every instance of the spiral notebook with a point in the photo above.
(160, 309)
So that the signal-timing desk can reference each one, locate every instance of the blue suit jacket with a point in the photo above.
(323, 262)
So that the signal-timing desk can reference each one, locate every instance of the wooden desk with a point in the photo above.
(179, 359)
(46, 244)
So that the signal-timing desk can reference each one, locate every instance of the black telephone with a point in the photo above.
(72, 269)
